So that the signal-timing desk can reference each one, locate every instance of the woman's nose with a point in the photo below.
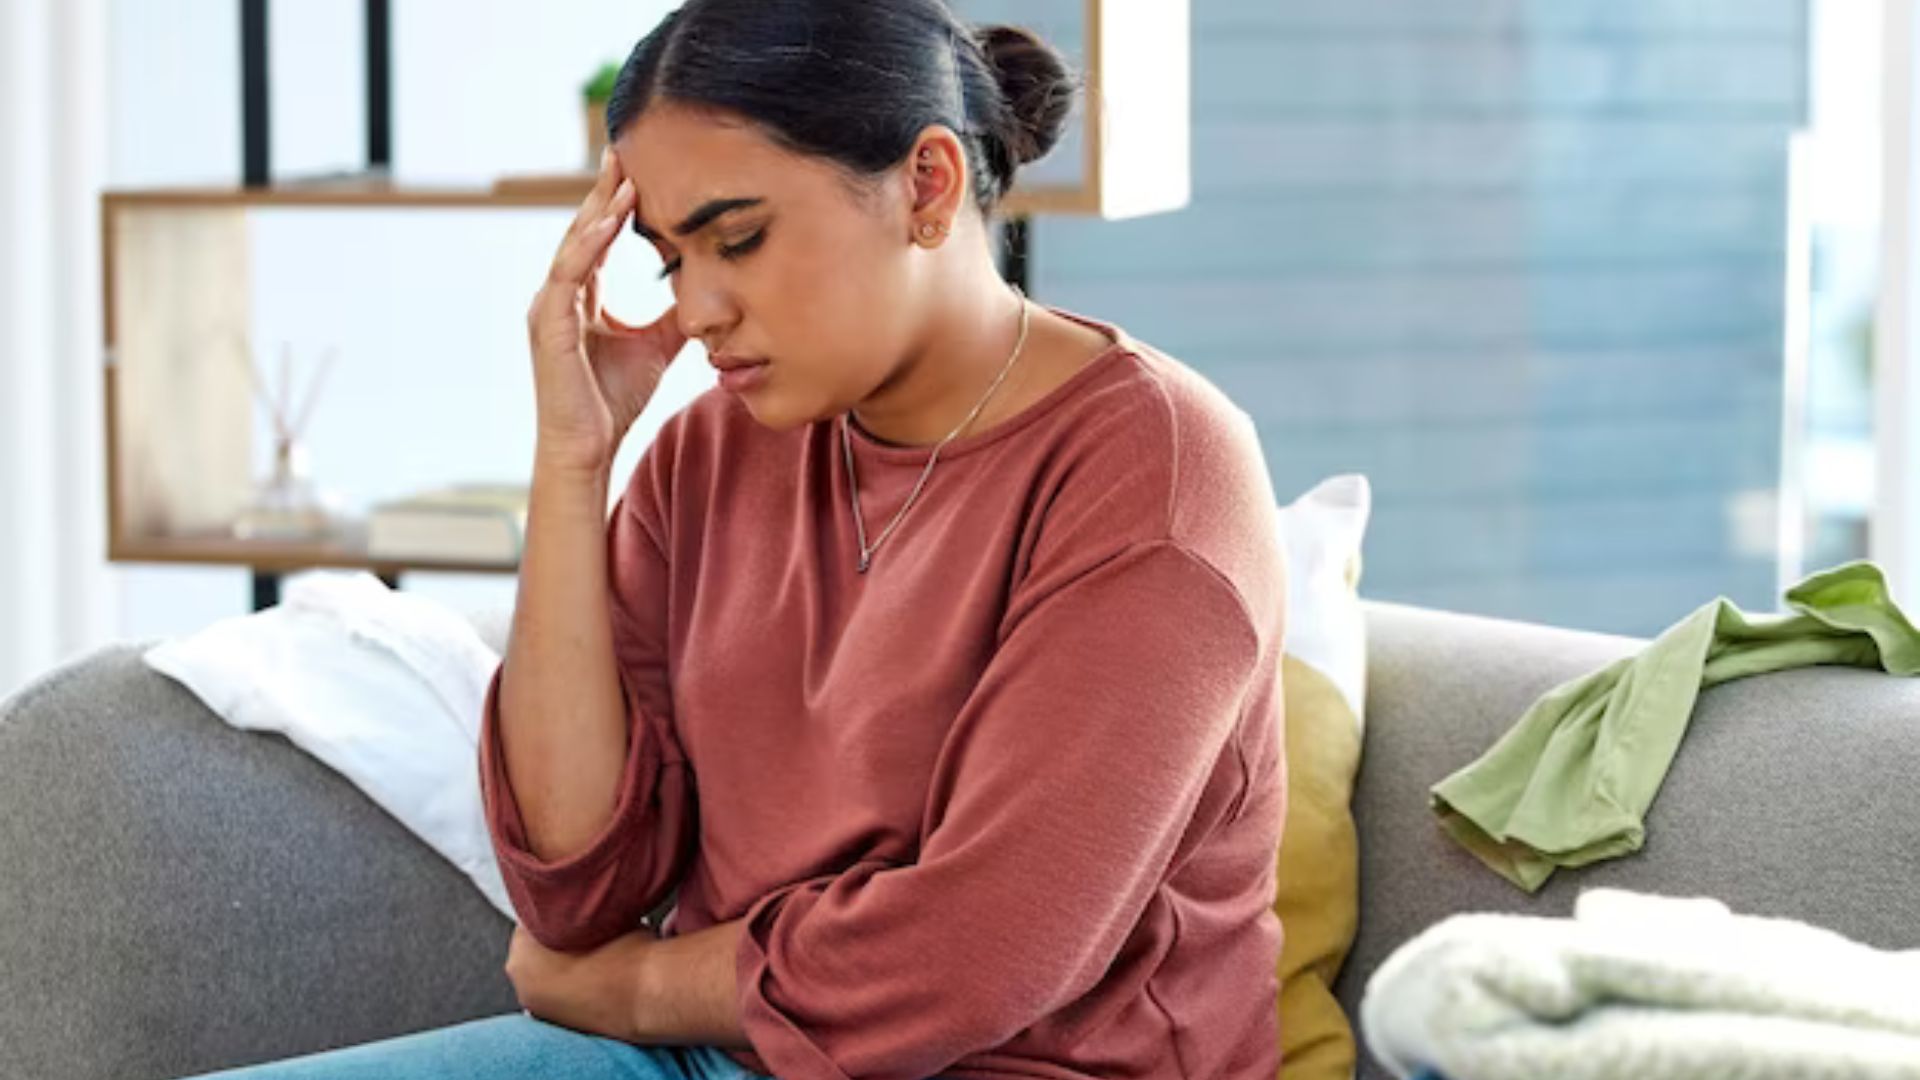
(704, 314)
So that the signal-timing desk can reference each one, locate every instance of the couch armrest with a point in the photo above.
(181, 895)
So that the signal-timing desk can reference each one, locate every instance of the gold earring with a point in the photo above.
(931, 231)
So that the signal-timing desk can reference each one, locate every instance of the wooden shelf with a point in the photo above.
(212, 548)
(362, 192)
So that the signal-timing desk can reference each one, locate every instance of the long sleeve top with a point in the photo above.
(1005, 805)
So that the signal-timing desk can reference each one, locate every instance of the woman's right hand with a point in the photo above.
(592, 373)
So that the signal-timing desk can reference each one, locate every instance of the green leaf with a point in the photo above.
(600, 87)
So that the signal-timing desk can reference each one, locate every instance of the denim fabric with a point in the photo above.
(514, 1046)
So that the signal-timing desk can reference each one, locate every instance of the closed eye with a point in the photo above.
(734, 251)
(726, 251)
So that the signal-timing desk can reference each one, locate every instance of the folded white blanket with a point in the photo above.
(1636, 985)
(385, 687)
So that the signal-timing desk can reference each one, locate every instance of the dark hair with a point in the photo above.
(856, 81)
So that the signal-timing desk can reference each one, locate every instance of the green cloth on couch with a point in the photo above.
(1570, 783)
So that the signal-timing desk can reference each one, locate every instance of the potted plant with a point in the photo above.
(596, 92)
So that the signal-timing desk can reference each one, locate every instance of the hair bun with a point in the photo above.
(1037, 85)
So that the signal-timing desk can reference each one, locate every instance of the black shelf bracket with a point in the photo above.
(255, 125)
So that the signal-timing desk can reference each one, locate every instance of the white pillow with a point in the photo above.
(384, 687)
(1324, 678)
(1323, 531)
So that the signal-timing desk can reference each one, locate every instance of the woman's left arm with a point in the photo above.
(677, 991)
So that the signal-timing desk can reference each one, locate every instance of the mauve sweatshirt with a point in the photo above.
(1007, 804)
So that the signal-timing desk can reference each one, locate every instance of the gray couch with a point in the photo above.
(178, 896)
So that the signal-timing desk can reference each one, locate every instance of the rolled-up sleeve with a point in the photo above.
(1066, 791)
(594, 895)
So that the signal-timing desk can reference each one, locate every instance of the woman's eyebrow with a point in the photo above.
(699, 219)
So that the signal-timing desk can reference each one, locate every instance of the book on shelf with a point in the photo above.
(479, 522)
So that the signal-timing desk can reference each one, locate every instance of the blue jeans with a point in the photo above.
(513, 1046)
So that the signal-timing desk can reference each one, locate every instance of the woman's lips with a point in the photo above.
(742, 376)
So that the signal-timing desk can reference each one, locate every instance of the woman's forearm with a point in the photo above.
(686, 990)
(562, 720)
(640, 989)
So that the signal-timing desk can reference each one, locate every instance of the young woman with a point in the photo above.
(928, 665)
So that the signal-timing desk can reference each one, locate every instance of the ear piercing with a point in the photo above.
(930, 232)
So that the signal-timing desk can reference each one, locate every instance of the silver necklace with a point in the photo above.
(853, 482)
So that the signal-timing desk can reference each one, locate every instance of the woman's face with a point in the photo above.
(775, 256)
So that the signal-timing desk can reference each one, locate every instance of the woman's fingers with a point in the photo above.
(589, 220)
(590, 297)
(592, 286)
(604, 183)
(572, 288)
(582, 251)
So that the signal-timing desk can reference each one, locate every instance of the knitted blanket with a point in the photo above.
(1647, 988)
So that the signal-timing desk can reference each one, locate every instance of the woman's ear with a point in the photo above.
(937, 166)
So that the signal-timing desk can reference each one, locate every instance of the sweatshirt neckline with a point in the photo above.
(1120, 343)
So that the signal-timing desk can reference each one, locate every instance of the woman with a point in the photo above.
(929, 665)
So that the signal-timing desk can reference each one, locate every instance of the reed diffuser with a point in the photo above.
(287, 504)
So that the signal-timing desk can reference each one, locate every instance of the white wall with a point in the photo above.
(432, 381)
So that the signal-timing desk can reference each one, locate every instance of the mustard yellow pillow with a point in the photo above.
(1324, 678)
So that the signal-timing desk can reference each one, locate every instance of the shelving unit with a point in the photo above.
(179, 429)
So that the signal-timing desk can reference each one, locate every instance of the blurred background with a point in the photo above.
(1602, 296)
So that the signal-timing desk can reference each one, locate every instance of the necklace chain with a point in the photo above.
(853, 482)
